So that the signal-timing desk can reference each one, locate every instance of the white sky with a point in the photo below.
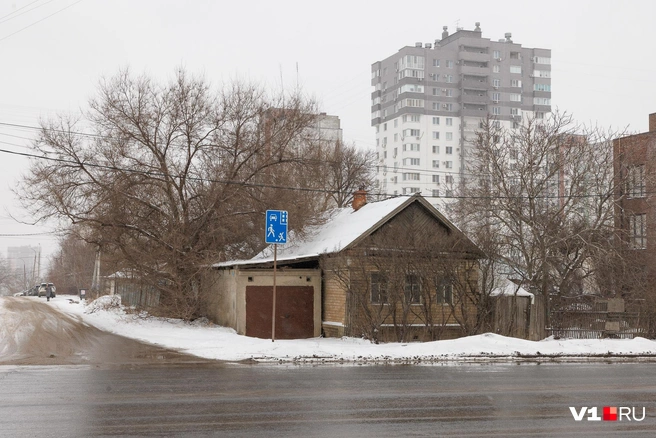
(214, 342)
(602, 56)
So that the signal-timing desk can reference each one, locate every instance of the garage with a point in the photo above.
(294, 311)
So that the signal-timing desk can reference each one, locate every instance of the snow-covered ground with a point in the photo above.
(214, 342)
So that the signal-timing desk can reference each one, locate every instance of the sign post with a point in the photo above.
(275, 233)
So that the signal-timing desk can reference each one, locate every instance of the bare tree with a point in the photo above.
(168, 175)
(540, 200)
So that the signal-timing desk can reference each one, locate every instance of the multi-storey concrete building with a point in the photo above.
(634, 159)
(429, 100)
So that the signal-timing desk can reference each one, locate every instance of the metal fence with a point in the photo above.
(590, 317)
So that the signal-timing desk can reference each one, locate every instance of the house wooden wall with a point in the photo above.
(407, 233)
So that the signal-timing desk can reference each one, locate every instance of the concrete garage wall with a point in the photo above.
(227, 299)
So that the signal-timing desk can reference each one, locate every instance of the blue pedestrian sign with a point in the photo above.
(276, 226)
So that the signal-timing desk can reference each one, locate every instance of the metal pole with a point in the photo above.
(273, 314)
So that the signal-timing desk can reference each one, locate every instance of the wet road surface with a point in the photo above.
(325, 401)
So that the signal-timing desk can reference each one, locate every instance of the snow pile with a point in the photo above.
(105, 303)
(207, 340)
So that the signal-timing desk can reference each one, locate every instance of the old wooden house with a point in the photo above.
(393, 270)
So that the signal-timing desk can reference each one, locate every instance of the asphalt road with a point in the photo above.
(326, 401)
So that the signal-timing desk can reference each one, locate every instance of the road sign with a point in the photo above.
(276, 226)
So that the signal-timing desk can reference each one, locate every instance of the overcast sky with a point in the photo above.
(53, 52)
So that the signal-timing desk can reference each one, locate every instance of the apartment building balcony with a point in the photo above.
(474, 98)
(474, 70)
(473, 56)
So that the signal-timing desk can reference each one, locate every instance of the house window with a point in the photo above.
(638, 231)
(443, 291)
(635, 183)
(412, 289)
(378, 288)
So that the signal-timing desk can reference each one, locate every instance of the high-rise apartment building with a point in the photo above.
(429, 101)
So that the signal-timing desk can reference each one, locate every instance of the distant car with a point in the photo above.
(42, 289)
(33, 291)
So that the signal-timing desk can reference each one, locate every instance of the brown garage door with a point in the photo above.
(294, 311)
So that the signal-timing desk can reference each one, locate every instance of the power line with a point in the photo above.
(2, 19)
(39, 21)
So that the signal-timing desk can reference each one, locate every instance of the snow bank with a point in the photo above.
(207, 340)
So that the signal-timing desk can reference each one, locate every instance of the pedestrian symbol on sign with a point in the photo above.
(276, 226)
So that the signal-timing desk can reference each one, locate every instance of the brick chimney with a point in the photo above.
(652, 122)
(359, 199)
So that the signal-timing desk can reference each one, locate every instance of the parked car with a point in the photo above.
(33, 291)
(42, 289)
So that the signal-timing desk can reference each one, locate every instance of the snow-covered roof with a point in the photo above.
(511, 289)
(342, 228)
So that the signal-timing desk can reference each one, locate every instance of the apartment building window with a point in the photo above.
(384, 141)
(541, 101)
(449, 150)
(449, 121)
(436, 120)
(412, 289)
(411, 132)
(436, 106)
(436, 164)
(449, 78)
(384, 126)
(411, 161)
(396, 123)
(411, 88)
(496, 97)
(516, 83)
(385, 154)
(496, 69)
(449, 64)
(496, 54)
(514, 55)
(436, 135)
(542, 87)
(516, 69)
(436, 91)
(436, 62)
(496, 110)
(514, 97)
(396, 137)
(378, 282)
(412, 147)
(448, 92)
(638, 231)
(394, 179)
(449, 136)
(539, 114)
(496, 83)
(411, 176)
(514, 111)
(448, 179)
(410, 190)
(542, 73)
(448, 164)
(395, 151)
(635, 182)
(436, 179)
(436, 193)
(436, 149)
(542, 60)
(448, 106)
